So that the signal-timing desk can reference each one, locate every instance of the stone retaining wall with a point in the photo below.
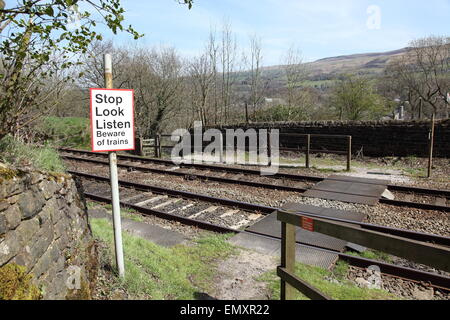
(374, 138)
(44, 227)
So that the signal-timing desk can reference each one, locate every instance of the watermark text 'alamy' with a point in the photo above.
(210, 146)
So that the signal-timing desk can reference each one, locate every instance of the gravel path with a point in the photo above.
(238, 274)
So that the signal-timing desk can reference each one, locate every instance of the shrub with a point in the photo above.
(68, 131)
(16, 153)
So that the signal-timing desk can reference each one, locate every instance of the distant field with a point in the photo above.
(318, 83)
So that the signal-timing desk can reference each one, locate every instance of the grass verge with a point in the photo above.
(159, 273)
(373, 255)
(333, 284)
(68, 132)
(125, 212)
(44, 158)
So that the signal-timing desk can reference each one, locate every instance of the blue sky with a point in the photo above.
(320, 28)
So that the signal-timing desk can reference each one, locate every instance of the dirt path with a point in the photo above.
(394, 176)
(238, 274)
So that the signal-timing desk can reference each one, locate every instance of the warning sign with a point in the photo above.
(308, 224)
(112, 119)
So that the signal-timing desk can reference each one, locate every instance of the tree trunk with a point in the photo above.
(246, 113)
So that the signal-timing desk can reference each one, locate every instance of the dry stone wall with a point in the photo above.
(44, 227)
(374, 138)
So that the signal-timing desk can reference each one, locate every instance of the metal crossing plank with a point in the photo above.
(271, 227)
(349, 189)
(271, 246)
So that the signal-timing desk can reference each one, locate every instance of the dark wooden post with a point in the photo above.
(159, 146)
(287, 258)
(420, 108)
(308, 149)
(139, 148)
(349, 153)
(431, 144)
(269, 149)
(155, 145)
(246, 112)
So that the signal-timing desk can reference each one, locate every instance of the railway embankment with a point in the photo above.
(46, 246)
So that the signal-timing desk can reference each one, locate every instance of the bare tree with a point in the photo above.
(92, 68)
(258, 85)
(155, 75)
(424, 71)
(213, 54)
(295, 72)
(228, 57)
(201, 74)
(397, 91)
(165, 85)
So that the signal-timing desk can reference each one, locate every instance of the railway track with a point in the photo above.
(229, 216)
(420, 198)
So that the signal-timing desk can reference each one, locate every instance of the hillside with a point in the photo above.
(369, 63)
(324, 72)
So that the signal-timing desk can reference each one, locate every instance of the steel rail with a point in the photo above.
(296, 177)
(201, 166)
(417, 205)
(164, 215)
(399, 203)
(196, 175)
(419, 236)
(436, 280)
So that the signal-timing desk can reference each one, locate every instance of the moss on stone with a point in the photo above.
(8, 174)
(84, 293)
(16, 284)
(58, 177)
(92, 264)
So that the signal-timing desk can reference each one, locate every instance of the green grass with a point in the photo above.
(124, 211)
(44, 158)
(68, 132)
(326, 170)
(373, 255)
(415, 172)
(159, 273)
(318, 83)
(317, 277)
(131, 214)
(316, 163)
(340, 270)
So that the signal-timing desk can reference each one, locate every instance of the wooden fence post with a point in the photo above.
(159, 146)
(287, 258)
(308, 148)
(155, 145)
(349, 153)
(139, 147)
(269, 149)
(431, 144)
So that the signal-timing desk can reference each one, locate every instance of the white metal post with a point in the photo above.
(117, 223)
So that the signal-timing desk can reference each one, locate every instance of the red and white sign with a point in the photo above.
(112, 120)
(308, 224)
